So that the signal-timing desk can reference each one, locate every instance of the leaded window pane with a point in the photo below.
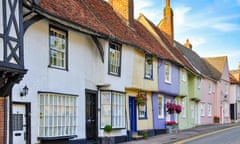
(58, 46)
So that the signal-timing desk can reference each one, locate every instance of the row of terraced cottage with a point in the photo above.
(88, 62)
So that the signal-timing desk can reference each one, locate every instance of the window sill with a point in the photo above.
(59, 68)
(143, 118)
(57, 138)
(147, 78)
(168, 82)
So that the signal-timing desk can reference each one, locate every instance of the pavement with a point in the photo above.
(182, 135)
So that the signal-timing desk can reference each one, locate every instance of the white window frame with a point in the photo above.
(58, 115)
(184, 105)
(58, 48)
(209, 87)
(114, 66)
(148, 72)
(168, 116)
(184, 75)
(213, 87)
(199, 82)
(202, 109)
(226, 88)
(160, 106)
(209, 109)
(113, 108)
(192, 106)
(168, 72)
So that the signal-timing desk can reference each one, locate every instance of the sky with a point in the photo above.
(212, 26)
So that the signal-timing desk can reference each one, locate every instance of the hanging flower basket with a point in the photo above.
(150, 60)
(141, 99)
(172, 108)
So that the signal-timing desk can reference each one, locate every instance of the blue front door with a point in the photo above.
(132, 114)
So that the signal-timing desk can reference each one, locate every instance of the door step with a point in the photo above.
(135, 136)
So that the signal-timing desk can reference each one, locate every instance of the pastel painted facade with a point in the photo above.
(221, 107)
(183, 99)
(140, 117)
(168, 89)
(208, 93)
(235, 95)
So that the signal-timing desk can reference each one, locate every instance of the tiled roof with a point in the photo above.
(99, 16)
(217, 62)
(176, 54)
(233, 80)
(200, 64)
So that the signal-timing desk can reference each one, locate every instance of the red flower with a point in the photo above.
(141, 99)
(172, 108)
(171, 123)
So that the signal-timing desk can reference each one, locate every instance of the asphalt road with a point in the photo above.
(229, 136)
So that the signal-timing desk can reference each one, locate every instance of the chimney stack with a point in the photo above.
(188, 44)
(166, 24)
(125, 8)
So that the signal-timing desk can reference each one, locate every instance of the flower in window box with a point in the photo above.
(141, 99)
(171, 123)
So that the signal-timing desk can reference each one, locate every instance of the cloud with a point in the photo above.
(149, 9)
(180, 15)
(226, 27)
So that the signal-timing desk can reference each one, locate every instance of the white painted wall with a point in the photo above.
(85, 71)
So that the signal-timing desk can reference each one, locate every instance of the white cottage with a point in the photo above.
(79, 59)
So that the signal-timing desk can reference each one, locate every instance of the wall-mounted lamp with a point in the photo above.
(24, 91)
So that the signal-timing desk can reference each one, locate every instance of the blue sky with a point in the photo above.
(212, 26)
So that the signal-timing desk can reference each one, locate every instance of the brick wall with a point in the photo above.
(2, 120)
(166, 24)
(125, 8)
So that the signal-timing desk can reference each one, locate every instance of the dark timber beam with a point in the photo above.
(99, 46)
(29, 22)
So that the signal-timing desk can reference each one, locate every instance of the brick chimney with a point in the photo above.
(166, 24)
(125, 8)
(188, 44)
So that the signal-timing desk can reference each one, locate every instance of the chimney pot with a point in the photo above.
(188, 44)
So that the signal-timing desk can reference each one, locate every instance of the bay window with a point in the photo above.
(113, 109)
(58, 115)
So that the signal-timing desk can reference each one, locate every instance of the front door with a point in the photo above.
(19, 124)
(91, 115)
(132, 114)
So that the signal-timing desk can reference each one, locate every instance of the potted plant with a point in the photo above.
(171, 125)
(108, 139)
(216, 119)
(144, 134)
(107, 128)
(150, 60)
